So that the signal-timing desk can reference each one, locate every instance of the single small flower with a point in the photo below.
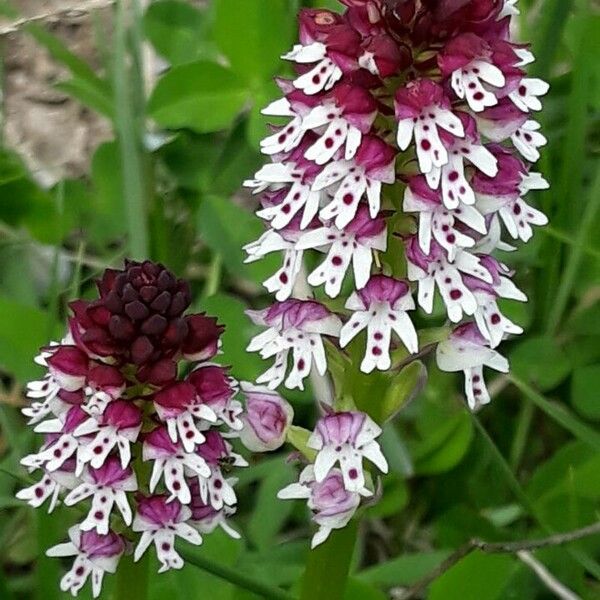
(456, 189)
(435, 270)
(381, 307)
(118, 427)
(527, 139)
(216, 390)
(352, 245)
(492, 324)
(502, 194)
(181, 409)
(266, 419)
(281, 283)
(437, 222)
(104, 384)
(107, 485)
(345, 438)
(62, 443)
(332, 504)
(296, 326)
(527, 93)
(468, 60)
(216, 489)
(292, 182)
(95, 554)
(203, 339)
(468, 351)
(67, 372)
(160, 522)
(172, 463)
(51, 485)
(422, 109)
(365, 173)
(206, 518)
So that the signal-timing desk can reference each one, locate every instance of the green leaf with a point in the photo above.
(394, 499)
(269, 512)
(571, 470)
(202, 96)
(238, 332)
(540, 361)
(225, 227)
(179, 31)
(88, 94)
(21, 337)
(298, 437)
(360, 590)
(476, 577)
(560, 414)
(404, 386)
(403, 570)
(443, 445)
(253, 34)
(584, 391)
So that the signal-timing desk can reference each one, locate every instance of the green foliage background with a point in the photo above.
(168, 187)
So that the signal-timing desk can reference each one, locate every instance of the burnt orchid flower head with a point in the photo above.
(111, 399)
(404, 161)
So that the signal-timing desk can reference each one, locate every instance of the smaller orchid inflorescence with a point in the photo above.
(403, 152)
(110, 401)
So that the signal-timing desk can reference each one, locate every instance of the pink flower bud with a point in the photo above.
(266, 420)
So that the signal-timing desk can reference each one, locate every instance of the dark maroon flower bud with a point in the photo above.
(138, 317)
(316, 24)
(202, 340)
(69, 366)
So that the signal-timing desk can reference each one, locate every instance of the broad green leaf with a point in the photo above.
(394, 499)
(540, 361)
(202, 96)
(360, 590)
(584, 391)
(572, 469)
(179, 31)
(253, 34)
(225, 227)
(238, 332)
(269, 512)
(476, 577)
(23, 330)
(403, 570)
(443, 444)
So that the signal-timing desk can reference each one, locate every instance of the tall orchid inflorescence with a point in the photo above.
(405, 153)
(111, 400)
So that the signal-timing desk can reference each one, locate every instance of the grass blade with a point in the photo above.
(560, 414)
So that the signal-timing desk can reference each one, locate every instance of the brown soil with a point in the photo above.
(55, 135)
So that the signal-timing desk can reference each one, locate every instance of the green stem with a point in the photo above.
(132, 579)
(129, 140)
(328, 566)
(520, 438)
(234, 576)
